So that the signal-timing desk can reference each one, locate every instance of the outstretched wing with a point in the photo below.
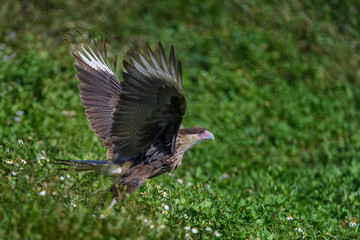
(150, 109)
(99, 87)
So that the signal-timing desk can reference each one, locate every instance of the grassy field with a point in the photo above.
(277, 83)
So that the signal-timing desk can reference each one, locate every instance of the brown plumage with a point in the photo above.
(138, 118)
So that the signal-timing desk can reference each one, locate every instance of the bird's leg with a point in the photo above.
(119, 193)
(113, 202)
(127, 185)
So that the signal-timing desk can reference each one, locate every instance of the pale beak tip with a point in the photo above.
(211, 137)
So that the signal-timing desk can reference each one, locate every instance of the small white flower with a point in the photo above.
(19, 113)
(165, 194)
(103, 215)
(186, 216)
(207, 186)
(23, 161)
(187, 235)
(152, 226)
(16, 119)
(74, 205)
(54, 193)
(225, 176)
(189, 184)
(166, 207)
(158, 187)
(209, 229)
(289, 218)
(69, 113)
(187, 228)
(194, 230)
(21, 142)
(180, 180)
(12, 36)
(14, 173)
(352, 224)
(217, 234)
(162, 226)
(304, 235)
(42, 193)
(328, 233)
(10, 162)
(299, 229)
(165, 212)
(62, 178)
(67, 175)
(257, 238)
(145, 220)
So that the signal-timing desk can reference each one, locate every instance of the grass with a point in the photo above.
(277, 84)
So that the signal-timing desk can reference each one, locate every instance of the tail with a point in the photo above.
(82, 165)
(102, 167)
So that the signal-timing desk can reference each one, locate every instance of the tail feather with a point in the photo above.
(103, 167)
(82, 165)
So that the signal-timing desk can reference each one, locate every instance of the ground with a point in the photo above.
(276, 83)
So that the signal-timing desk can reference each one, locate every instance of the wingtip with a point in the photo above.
(147, 47)
(70, 34)
(160, 46)
(78, 32)
(125, 62)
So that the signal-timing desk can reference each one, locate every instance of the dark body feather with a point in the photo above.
(138, 118)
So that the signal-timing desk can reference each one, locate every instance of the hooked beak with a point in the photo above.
(206, 135)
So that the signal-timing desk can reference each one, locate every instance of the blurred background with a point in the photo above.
(276, 82)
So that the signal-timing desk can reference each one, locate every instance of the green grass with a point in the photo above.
(277, 84)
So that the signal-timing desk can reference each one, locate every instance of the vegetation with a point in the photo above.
(277, 83)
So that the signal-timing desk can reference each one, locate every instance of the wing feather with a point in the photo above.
(162, 58)
(99, 86)
(172, 62)
(153, 73)
(179, 73)
(153, 59)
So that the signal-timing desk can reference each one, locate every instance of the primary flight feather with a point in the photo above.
(138, 118)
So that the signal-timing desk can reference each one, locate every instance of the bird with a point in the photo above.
(138, 119)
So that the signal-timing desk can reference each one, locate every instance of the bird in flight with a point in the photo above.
(138, 118)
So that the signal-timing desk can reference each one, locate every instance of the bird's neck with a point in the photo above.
(183, 143)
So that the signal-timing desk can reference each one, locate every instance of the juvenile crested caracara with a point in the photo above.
(138, 118)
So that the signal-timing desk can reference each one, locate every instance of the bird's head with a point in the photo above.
(190, 136)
